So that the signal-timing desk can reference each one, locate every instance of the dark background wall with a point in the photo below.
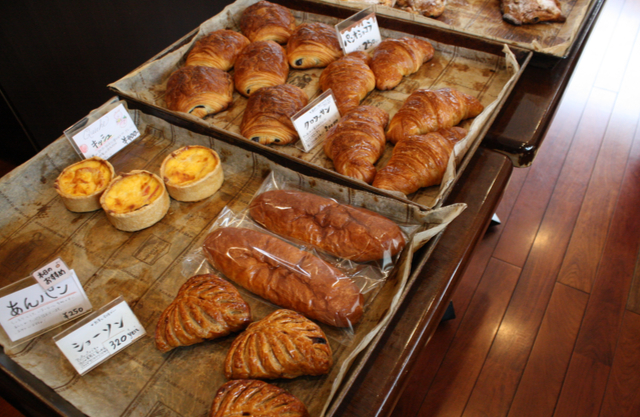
(57, 57)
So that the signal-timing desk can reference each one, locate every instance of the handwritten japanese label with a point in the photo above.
(101, 336)
(360, 32)
(107, 135)
(33, 309)
(51, 273)
(313, 121)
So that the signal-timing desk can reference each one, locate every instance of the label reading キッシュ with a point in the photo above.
(51, 273)
(100, 336)
(107, 135)
(360, 32)
(33, 310)
(313, 121)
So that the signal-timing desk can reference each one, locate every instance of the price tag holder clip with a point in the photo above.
(360, 32)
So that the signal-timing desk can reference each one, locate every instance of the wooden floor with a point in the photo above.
(548, 312)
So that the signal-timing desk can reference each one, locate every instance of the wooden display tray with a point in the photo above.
(472, 65)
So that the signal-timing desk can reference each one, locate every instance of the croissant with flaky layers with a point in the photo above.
(199, 91)
(396, 58)
(206, 307)
(313, 45)
(267, 117)
(426, 111)
(357, 141)
(218, 49)
(266, 21)
(350, 79)
(260, 64)
(419, 161)
(285, 344)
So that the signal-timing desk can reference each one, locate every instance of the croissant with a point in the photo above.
(350, 79)
(520, 12)
(260, 64)
(206, 307)
(395, 58)
(218, 49)
(426, 111)
(267, 117)
(357, 141)
(285, 344)
(429, 8)
(246, 397)
(199, 91)
(313, 45)
(265, 21)
(419, 161)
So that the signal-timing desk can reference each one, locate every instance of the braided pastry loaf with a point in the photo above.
(285, 344)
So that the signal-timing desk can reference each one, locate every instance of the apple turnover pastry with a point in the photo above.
(218, 49)
(313, 45)
(350, 79)
(285, 344)
(80, 185)
(135, 200)
(260, 64)
(266, 21)
(267, 117)
(528, 12)
(192, 173)
(199, 91)
(206, 307)
(250, 397)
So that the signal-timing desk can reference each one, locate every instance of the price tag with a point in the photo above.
(360, 32)
(100, 336)
(313, 121)
(33, 310)
(51, 273)
(105, 132)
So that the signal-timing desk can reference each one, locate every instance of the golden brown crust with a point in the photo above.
(200, 91)
(342, 230)
(419, 161)
(267, 117)
(313, 45)
(206, 307)
(285, 275)
(357, 141)
(285, 344)
(426, 111)
(260, 64)
(265, 21)
(246, 397)
(350, 79)
(396, 58)
(218, 49)
(80, 185)
(527, 12)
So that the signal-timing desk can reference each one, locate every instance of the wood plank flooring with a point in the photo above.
(548, 312)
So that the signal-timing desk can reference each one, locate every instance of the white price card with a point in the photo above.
(100, 336)
(104, 132)
(360, 32)
(314, 120)
(51, 273)
(33, 310)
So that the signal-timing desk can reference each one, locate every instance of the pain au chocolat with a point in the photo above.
(266, 21)
(218, 49)
(199, 91)
(260, 64)
(80, 185)
(313, 45)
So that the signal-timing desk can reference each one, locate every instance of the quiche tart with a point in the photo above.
(80, 185)
(192, 173)
(135, 200)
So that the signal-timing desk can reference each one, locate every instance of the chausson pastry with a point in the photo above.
(135, 200)
(313, 45)
(199, 91)
(266, 21)
(218, 49)
(80, 185)
(267, 117)
(251, 397)
(260, 64)
(192, 173)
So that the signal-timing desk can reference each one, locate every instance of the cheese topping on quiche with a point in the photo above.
(131, 192)
(188, 165)
(84, 178)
